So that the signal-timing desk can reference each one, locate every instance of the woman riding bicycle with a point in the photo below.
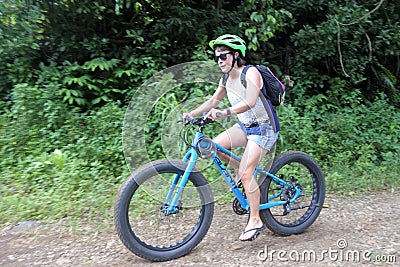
(255, 130)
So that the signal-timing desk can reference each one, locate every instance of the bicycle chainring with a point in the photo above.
(237, 208)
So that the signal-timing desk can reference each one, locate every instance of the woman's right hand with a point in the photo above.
(187, 115)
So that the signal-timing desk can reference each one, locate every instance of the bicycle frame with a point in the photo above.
(179, 182)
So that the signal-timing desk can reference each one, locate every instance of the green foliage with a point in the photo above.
(353, 140)
(91, 82)
(21, 31)
(58, 161)
(263, 22)
(350, 41)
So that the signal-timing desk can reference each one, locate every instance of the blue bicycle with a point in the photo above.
(165, 208)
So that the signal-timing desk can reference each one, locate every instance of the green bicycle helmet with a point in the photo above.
(232, 41)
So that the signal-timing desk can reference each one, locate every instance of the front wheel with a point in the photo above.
(140, 216)
(302, 171)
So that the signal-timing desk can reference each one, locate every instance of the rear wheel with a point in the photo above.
(299, 169)
(142, 222)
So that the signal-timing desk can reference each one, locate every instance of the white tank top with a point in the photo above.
(257, 114)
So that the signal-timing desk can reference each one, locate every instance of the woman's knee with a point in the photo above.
(245, 174)
(223, 141)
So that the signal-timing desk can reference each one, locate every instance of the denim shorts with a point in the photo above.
(263, 134)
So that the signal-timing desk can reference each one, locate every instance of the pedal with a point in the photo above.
(286, 209)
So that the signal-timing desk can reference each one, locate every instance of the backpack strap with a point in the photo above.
(242, 76)
(224, 79)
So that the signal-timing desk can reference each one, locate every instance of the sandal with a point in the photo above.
(256, 233)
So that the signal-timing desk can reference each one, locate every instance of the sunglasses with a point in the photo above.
(223, 57)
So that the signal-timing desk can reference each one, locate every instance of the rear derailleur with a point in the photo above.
(288, 193)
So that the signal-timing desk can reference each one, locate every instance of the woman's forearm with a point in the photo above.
(205, 107)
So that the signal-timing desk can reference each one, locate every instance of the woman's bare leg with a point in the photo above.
(251, 158)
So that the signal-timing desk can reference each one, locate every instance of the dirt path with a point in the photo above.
(351, 232)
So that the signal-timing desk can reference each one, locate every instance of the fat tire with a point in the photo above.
(125, 231)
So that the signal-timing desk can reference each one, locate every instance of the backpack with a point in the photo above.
(273, 89)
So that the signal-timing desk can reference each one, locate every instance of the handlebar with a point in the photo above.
(201, 121)
(197, 121)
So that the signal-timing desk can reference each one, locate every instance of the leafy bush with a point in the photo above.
(356, 142)
(59, 162)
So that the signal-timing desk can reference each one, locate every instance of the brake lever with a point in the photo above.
(186, 120)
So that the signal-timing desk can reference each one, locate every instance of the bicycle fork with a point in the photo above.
(171, 201)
